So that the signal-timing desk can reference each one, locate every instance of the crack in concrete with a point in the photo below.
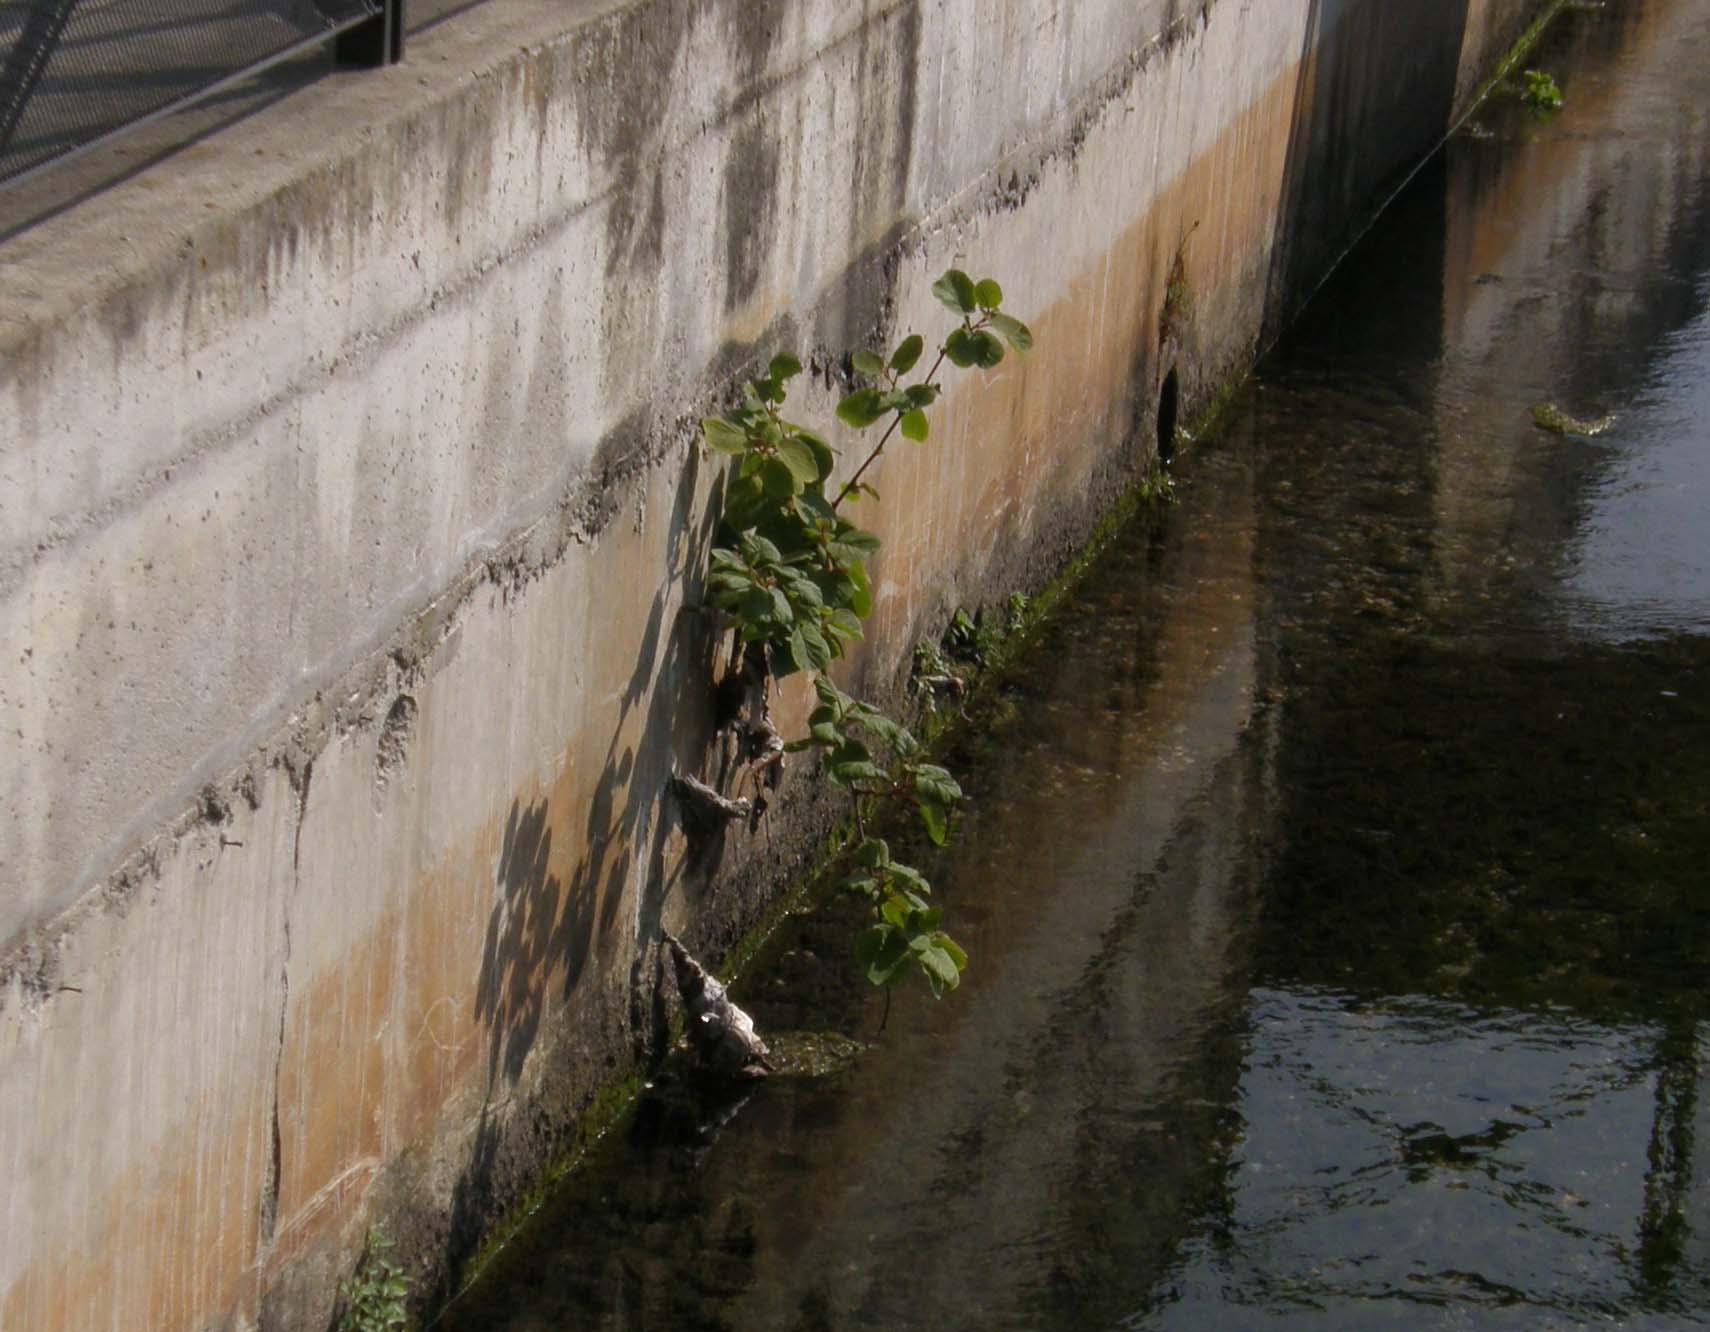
(269, 1218)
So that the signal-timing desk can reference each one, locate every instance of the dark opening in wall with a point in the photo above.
(1167, 402)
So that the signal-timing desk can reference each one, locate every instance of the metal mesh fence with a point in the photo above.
(74, 71)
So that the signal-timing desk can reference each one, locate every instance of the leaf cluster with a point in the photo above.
(374, 1294)
(1541, 91)
(868, 754)
(790, 572)
(906, 933)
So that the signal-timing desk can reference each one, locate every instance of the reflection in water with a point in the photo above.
(1619, 583)
(1416, 1163)
(1335, 870)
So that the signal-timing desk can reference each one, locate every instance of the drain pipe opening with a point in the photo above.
(1168, 398)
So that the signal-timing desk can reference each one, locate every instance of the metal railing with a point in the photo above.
(76, 72)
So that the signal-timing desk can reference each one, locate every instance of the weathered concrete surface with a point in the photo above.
(349, 505)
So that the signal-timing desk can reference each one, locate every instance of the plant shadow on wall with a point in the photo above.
(789, 580)
(543, 924)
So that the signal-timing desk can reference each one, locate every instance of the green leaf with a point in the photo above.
(785, 366)
(897, 738)
(936, 783)
(843, 623)
(941, 969)
(816, 512)
(825, 457)
(962, 348)
(797, 454)
(1013, 331)
(813, 649)
(856, 539)
(861, 408)
(850, 763)
(988, 349)
(936, 818)
(756, 606)
(920, 395)
(873, 853)
(914, 424)
(847, 556)
(907, 353)
(851, 751)
(722, 437)
(911, 879)
(864, 884)
(956, 290)
(868, 945)
(782, 611)
(727, 592)
(802, 590)
(862, 600)
(988, 294)
(759, 550)
(868, 363)
(780, 481)
(954, 949)
(883, 953)
(781, 657)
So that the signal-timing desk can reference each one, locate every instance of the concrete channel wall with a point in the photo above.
(350, 507)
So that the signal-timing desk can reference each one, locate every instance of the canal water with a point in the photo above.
(1336, 874)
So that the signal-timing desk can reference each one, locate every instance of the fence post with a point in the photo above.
(42, 28)
(378, 41)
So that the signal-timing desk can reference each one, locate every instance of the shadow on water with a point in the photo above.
(1333, 874)
(1376, 81)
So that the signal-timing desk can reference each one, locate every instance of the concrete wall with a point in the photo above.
(349, 504)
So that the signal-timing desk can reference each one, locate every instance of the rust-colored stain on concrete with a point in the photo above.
(1001, 454)
(167, 1247)
(446, 995)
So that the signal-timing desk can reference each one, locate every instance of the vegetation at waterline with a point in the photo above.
(373, 1296)
(1540, 91)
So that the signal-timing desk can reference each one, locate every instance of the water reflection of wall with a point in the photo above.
(1409, 1155)
(1474, 808)
(1575, 244)
(1059, 1125)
